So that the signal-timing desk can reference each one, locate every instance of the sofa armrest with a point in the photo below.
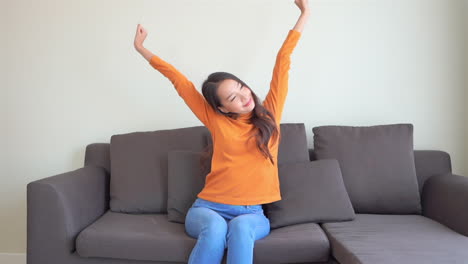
(445, 200)
(60, 206)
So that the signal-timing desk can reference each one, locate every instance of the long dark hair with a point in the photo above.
(261, 118)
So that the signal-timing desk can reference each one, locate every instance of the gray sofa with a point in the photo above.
(114, 210)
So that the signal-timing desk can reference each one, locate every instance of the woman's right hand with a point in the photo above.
(140, 37)
(303, 5)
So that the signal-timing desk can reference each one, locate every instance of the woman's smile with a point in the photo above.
(248, 103)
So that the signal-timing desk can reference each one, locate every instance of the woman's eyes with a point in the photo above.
(242, 86)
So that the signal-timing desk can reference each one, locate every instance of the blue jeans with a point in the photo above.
(219, 226)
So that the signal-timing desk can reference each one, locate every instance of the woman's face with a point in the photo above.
(234, 97)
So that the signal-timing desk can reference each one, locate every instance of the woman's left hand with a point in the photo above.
(303, 5)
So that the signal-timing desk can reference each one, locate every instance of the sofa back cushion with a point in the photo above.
(186, 179)
(293, 144)
(312, 192)
(139, 171)
(428, 163)
(377, 165)
(139, 163)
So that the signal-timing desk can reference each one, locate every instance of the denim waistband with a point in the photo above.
(228, 211)
(203, 201)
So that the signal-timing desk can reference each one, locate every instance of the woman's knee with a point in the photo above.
(240, 225)
(205, 221)
(250, 225)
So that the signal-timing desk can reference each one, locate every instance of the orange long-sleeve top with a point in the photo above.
(240, 174)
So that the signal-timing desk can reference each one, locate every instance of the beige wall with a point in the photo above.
(3, 99)
(465, 15)
(73, 78)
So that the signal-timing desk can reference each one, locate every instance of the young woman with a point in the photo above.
(244, 173)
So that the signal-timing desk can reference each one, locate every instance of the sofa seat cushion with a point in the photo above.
(152, 237)
(401, 239)
(135, 236)
(301, 243)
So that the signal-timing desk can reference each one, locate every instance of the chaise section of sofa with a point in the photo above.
(373, 238)
(436, 236)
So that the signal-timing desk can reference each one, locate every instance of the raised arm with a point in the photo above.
(305, 13)
(276, 97)
(184, 87)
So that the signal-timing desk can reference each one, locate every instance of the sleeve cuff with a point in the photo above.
(295, 32)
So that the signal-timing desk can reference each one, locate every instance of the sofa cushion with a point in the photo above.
(312, 191)
(152, 237)
(148, 237)
(403, 239)
(377, 164)
(186, 180)
(293, 143)
(302, 243)
(138, 182)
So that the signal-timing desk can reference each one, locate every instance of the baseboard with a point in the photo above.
(13, 258)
